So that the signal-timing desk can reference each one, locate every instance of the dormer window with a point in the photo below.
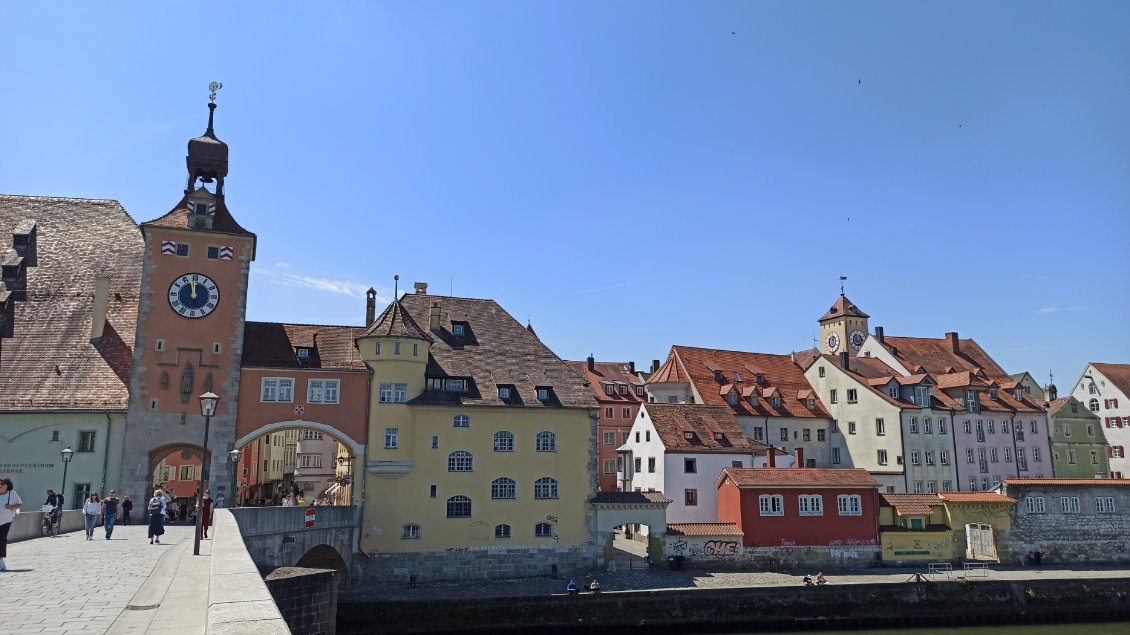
(458, 329)
(543, 393)
(760, 379)
(202, 207)
(456, 385)
(1018, 394)
(718, 376)
(689, 436)
(893, 391)
(923, 396)
(504, 392)
(776, 401)
(639, 391)
(971, 401)
(812, 404)
(753, 400)
(993, 394)
(718, 436)
(732, 399)
(623, 389)
(609, 390)
(303, 353)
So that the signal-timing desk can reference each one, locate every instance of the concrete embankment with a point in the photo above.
(761, 609)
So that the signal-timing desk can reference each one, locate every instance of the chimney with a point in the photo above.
(632, 368)
(772, 457)
(951, 339)
(421, 288)
(370, 306)
(591, 361)
(879, 334)
(655, 365)
(435, 316)
(799, 457)
(101, 293)
(844, 363)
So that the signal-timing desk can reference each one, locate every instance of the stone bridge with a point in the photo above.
(281, 537)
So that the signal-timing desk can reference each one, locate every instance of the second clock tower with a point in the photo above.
(190, 323)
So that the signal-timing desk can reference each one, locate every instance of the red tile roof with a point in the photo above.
(1067, 481)
(843, 307)
(975, 497)
(935, 355)
(799, 477)
(875, 375)
(50, 363)
(910, 504)
(673, 421)
(629, 498)
(1118, 374)
(670, 373)
(703, 529)
(177, 218)
(615, 372)
(778, 372)
(273, 345)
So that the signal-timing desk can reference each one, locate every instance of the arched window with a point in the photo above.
(503, 441)
(545, 488)
(460, 461)
(543, 530)
(462, 421)
(410, 532)
(502, 531)
(1093, 405)
(547, 442)
(503, 489)
(459, 507)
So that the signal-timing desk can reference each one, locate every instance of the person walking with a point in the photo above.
(206, 509)
(110, 513)
(90, 510)
(156, 510)
(127, 506)
(56, 503)
(12, 504)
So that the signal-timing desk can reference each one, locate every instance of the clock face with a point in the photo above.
(856, 339)
(194, 295)
(833, 342)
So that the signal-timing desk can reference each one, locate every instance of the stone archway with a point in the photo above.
(186, 454)
(330, 480)
(356, 447)
(323, 557)
(620, 509)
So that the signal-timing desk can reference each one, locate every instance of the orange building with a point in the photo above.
(619, 390)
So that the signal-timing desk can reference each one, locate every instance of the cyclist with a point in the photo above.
(56, 502)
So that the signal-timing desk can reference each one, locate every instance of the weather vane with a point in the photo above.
(842, 278)
(212, 88)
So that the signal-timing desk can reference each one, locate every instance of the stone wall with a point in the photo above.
(719, 553)
(27, 525)
(307, 599)
(238, 599)
(1070, 538)
(480, 564)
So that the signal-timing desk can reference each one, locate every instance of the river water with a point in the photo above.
(1082, 628)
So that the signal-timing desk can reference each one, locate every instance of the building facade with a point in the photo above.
(1105, 389)
(1079, 447)
(619, 391)
(1069, 521)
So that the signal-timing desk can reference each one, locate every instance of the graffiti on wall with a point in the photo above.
(916, 546)
(720, 548)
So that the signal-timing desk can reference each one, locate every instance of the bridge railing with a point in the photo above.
(254, 521)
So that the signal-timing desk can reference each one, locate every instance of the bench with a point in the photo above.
(939, 568)
(976, 570)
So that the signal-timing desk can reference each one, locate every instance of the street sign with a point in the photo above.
(310, 512)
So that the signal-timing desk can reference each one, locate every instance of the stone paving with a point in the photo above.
(67, 584)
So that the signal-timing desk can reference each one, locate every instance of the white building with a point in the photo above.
(1105, 389)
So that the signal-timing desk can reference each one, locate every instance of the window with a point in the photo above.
(323, 390)
(811, 505)
(784, 434)
(851, 427)
(893, 391)
(459, 507)
(455, 385)
(931, 487)
(835, 426)
(914, 458)
(942, 425)
(971, 401)
(310, 460)
(993, 455)
(458, 330)
(186, 473)
(1104, 504)
(545, 488)
(503, 489)
(543, 394)
(460, 461)
(647, 436)
(1093, 389)
(377, 349)
(639, 391)
(608, 412)
(1069, 504)
(737, 464)
(1090, 430)
(609, 438)
(973, 483)
(435, 441)
(392, 438)
(310, 435)
(849, 505)
(820, 434)
(772, 505)
(502, 531)
(917, 487)
(992, 427)
(882, 457)
(1071, 457)
(504, 392)
(1036, 454)
(776, 401)
(396, 348)
(914, 425)
(1094, 457)
(182, 249)
(546, 442)
(806, 434)
(820, 371)
(432, 491)
(543, 530)
(968, 427)
(1008, 455)
(651, 464)
(461, 421)
(1033, 427)
(944, 457)
(85, 441)
(609, 466)
(277, 389)
(393, 393)
(503, 441)
(1004, 426)
(690, 497)
(415, 350)
(690, 466)
(639, 464)
(410, 532)
(835, 456)
(880, 427)
(833, 397)
(922, 396)
(929, 457)
(852, 396)
(1093, 404)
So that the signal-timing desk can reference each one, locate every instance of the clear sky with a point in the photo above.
(627, 175)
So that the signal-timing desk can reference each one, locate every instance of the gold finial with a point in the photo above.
(212, 88)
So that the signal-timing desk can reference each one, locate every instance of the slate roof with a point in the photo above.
(843, 307)
(673, 421)
(975, 497)
(629, 498)
(935, 356)
(799, 477)
(614, 372)
(1067, 481)
(910, 504)
(395, 321)
(496, 350)
(274, 345)
(50, 364)
(703, 529)
(1118, 374)
(740, 369)
(177, 218)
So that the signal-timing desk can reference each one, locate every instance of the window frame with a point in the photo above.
(849, 505)
(279, 385)
(455, 506)
(547, 488)
(810, 504)
(501, 486)
(545, 441)
(503, 441)
(771, 505)
(460, 461)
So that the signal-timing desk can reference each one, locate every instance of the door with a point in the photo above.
(979, 543)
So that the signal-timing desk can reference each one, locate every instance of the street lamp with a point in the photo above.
(234, 455)
(66, 453)
(208, 403)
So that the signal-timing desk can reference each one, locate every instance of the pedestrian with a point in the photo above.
(288, 501)
(110, 513)
(90, 510)
(156, 510)
(127, 505)
(12, 505)
(56, 503)
(206, 511)
(301, 501)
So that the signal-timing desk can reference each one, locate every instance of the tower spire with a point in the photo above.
(212, 88)
(842, 279)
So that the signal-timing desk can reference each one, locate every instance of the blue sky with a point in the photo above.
(627, 175)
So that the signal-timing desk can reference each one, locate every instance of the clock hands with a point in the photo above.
(193, 285)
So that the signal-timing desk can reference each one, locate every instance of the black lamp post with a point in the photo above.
(208, 403)
(66, 453)
(234, 455)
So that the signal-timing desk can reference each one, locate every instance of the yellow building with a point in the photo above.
(944, 527)
(481, 439)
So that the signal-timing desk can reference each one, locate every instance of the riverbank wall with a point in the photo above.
(759, 608)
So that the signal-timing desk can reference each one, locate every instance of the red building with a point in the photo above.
(802, 507)
(619, 390)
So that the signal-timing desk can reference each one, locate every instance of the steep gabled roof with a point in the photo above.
(843, 307)
(669, 373)
(673, 421)
(799, 477)
(1118, 374)
(617, 373)
(703, 529)
(910, 504)
(936, 355)
(274, 345)
(177, 218)
(779, 373)
(395, 321)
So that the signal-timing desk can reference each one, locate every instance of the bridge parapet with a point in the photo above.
(280, 537)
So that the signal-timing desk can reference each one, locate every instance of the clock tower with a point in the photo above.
(843, 328)
(190, 321)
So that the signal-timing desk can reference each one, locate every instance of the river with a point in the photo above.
(1079, 628)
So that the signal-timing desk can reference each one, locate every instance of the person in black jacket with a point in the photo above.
(127, 505)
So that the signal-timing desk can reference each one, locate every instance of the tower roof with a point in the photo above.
(396, 322)
(843, 307)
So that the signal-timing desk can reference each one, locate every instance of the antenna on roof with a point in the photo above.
(451, 285)
(396, 288)
(842, 279)
(815, 341)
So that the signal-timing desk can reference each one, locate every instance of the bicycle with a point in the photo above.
(50, 524)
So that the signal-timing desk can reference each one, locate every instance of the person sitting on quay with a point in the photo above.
(594, 587)
(820, 578)
(571, 588)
